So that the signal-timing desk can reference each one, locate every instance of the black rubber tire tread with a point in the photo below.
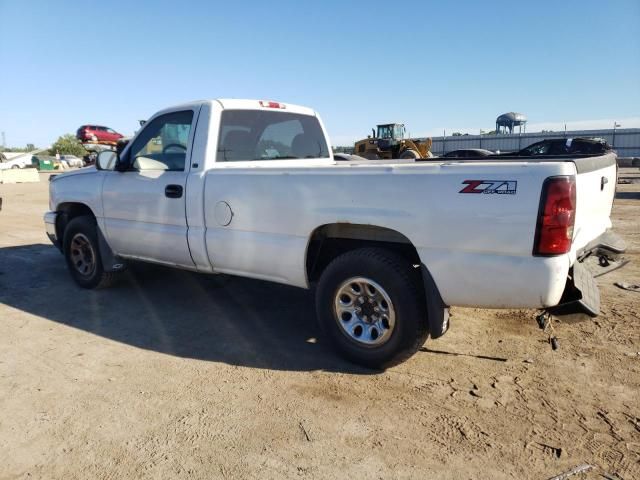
(409, 154)
(401, 281)
(100, 279)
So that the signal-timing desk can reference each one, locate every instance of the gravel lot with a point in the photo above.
(177, 375)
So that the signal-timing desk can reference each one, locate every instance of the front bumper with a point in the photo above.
(50, 227)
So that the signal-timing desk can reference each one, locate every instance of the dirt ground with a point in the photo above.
(177, 375)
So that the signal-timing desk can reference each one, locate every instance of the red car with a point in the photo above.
(96, 133)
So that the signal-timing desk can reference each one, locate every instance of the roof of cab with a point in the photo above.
(239, 104)
(244, 104)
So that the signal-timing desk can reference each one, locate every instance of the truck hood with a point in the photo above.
(81, 171)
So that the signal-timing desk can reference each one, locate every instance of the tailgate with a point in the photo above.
(595, 188)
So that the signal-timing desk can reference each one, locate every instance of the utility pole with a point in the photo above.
(613, 141)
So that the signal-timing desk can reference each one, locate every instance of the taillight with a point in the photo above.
(272, 104)
(556, 216)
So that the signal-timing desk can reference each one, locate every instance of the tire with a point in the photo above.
(15, 166)
(82, 253)
(382, 342)
(409, 155)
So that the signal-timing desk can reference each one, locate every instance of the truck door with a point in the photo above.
(144, 206)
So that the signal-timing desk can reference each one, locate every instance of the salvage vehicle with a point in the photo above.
(98, 134)
(468, 153)
(16, 161)
(250, 188)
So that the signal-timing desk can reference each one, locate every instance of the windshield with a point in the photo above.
(384, 131)
(268, 135)
(391, 131)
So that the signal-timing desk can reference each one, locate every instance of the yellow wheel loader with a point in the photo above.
(389, 142)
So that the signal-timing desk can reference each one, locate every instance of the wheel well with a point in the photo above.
(67, 212)
(329, 241)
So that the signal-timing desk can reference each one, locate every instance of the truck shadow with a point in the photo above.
(207, 317)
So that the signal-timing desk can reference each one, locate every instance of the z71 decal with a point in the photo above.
(501, 187)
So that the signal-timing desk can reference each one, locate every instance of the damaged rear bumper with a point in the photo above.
(581, 293)
(609, 244)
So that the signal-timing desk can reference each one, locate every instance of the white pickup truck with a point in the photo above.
(250, 188)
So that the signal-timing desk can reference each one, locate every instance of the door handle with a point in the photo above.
(173, 191)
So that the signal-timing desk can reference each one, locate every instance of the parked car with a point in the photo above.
(468, 153)
(97, 133)
(250, 188)
(19, 161)
(348, 157)
(566, 146)
(72, 161)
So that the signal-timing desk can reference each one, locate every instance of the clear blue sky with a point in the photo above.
(431, 65)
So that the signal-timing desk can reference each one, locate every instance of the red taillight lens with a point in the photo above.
(556, 216)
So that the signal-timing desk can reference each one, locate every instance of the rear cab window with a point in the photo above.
(254, 135)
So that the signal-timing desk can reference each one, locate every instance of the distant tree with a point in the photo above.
(29, 148)
(547, 131)
(456, 134)
(68, 145)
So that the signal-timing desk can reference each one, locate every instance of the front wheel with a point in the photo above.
(409, 154)
(370, 305)
(82, 253)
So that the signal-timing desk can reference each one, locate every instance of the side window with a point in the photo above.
(162, 145)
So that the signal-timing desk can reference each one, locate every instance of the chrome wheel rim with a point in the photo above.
(83, 257)
(364, 312)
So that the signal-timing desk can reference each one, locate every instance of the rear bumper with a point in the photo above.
(581, 293)
(50, 227)
(608, 244)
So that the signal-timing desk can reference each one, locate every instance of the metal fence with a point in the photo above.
(625, 140)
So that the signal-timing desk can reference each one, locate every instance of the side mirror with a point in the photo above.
(106, 160)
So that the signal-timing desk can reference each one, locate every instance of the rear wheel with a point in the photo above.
(370, 306)
(82, 253)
